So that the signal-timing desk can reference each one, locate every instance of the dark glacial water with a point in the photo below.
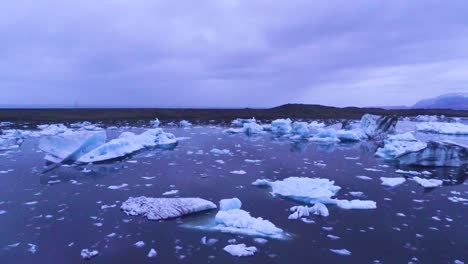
(63, 218)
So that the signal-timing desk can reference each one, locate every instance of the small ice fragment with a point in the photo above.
(152, 253)
(332, 237)
(139, 244)
(116, 187)
(392, 182)
(260, 240)
(342, 252)
(240, 172)
(88, 254)
(208, 241)
(428, 183)
(240, 250)
(32, 248)
(171, 192)
(228, 204)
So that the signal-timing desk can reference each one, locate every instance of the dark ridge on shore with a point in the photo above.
(203, 115)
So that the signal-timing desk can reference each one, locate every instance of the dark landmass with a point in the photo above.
(297, 111)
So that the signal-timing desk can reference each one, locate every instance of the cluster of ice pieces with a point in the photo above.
(397, 145)
(164, 208)
(86, 146)
(443, 128)
(240, 250)
(312, 190)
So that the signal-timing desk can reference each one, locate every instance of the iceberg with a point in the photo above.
(428, 183)
(250, 128)
(240, 250)
(155, 123)
(185, 124)
(239, 122)
(350, 135)
(302, 189)
(128, 143)
(88, 254)
(325, 135)
(437, 154)
(164, 208)
(400, 144)
(50, 130)
(221, 151)
(300, 129)
(355, 204)
(315, 125)
(304, 211)
(70, 146)
(281, 126)
(228, 204)
(392, 182)
(375, 126)
(443, 128)
(12, 138)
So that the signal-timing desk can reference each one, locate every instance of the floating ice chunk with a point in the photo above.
(185, 124)
(392, 182)
(32, 248)
(443, 128)
(128, 143)
(228, 204)
(300, 129)
(281, 126)
(152, 253)
(362, 177)
(325, 135)
(221, 151)
(356, 194)
(88, 254)
(70, 146)
(139, 244)
(350, 135)
(252, 161)
(240, 172)
(239, 122)
(164, 208)
(117, 187)
(374, 126)
(240, 250)
(428, 183)
(302, 189)
(332, 237)
(171, 192)
(50, 130)
(260, 240)
(208, 241)
(437, 153)
(304, 211)
(408, 172)
(428, 118)
(250, 128)
(342, 252)
(155, 122)
(400, 144)
(315, 125)
(456, 199)
(356, 204)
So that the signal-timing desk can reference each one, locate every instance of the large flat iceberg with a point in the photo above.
(70, 146)
(128, 143)
(164, 208)
(437, 153)
(443, 128)
(397, 145)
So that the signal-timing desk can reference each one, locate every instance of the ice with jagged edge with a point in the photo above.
(240, 250)
(397, 145)
(392, 182)
(128, 143)
(155, 123)
(443, 128)
(312, 190)
(325, 135)
(281, 126)
(12, 138)
(164, 208)
(185, 124)
(304, 211)
(231, 219)
(239, 122)
(428, 183)
(300, 130)
(50, 130)
(70, 145)
(444, 153)
(248, 128)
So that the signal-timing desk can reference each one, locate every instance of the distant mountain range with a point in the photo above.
(457, 101)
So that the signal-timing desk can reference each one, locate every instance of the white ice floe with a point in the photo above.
(400, 144)
(252, 161)
(155, 123)
(281, 126)
(164, 208)
(240, 250)
(428, 183)
(128, 143)
(350, 135)
(152, 253)
(312, 190)
(221, 151)
(171, 192)
(443, 128)
(239, 122)
(117, 187)
(315, 125)
(185, 124)
(228, 204)
(362, 177)
(50, 130)
(88, 254)
(70, 145)
(32, 248)
(409, 172)
(139, 244)
(342, 252)
(305, 211)
(248, 128)
(392, 182)
(240, 172)
(208, 241)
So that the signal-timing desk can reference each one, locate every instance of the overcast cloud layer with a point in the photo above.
(231, 53)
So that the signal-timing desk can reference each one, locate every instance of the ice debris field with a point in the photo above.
(278, 191)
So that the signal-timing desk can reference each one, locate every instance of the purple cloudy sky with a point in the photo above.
(231, 53)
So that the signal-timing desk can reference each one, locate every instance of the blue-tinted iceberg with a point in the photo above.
(437, 154)
(185, 124)
(50, 130)
(300, 129)
(305, 211)
(248, 128)
(70, 146)
(443, 128)
(164, 208)
(239, 122)
(128, 143)
(397, 145)
(281, 126)
(325, 135)
(155, 123)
